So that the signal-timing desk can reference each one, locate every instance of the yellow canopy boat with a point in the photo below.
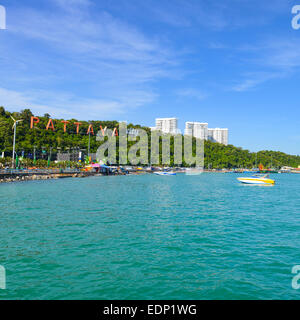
(257, 179)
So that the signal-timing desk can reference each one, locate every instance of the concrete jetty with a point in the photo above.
(26, 175)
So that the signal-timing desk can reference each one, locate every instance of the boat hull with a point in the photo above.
(259, 181)
(165, 173)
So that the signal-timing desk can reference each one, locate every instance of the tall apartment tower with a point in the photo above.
(196, 129)
(167, 125)
(218, 135)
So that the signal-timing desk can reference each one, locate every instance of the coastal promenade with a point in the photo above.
(11, 175)
(14, 175)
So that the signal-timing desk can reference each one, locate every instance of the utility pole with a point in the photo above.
(89, 147)
(14, 146)
(14, 140)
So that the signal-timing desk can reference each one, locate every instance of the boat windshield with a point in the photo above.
(262, 176)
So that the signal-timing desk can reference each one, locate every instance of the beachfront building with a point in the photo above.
(196, 129)
(166, 125)
(218, 135)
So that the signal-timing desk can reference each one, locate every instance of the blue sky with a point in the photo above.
(231, 63)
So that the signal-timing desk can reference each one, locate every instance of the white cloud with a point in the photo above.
(252, 80)
(216, 15)
(273, 59)
(64, 105)
(99, 60)
(13, 100)
(70, 3)
(192, 93)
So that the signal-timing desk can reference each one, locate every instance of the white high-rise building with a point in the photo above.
(196, 129)
(167, 125)
(218, 135)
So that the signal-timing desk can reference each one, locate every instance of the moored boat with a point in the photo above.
(165, 173)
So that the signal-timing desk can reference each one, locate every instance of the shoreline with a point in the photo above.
(19, 177)
(35, 176)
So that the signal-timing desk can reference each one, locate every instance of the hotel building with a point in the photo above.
(218, 135)
(196, 129)
(201, 131)
(167, 125)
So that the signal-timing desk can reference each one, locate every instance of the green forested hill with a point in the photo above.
(27, 138)
(216, 155)
(220, 156)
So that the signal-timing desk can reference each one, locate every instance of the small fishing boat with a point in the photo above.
(257, 179)
(165, 173)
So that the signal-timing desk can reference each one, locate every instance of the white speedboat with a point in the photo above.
(165, 173)
(257, 179)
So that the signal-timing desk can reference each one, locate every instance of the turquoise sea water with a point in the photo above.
(150, 237)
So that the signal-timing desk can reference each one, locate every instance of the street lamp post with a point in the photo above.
(14, 141)
(89, 146)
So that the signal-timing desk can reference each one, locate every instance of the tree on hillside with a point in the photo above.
(216, 155)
